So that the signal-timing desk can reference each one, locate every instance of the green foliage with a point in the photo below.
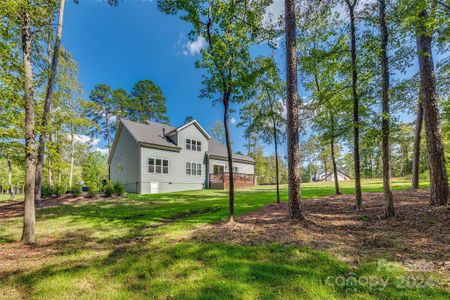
(92, 190)
(108, 189)
(265, 167)
(76, 190)
(94, 168)
(56, 190)
(119, 189)
(148, 103)
(263, 116)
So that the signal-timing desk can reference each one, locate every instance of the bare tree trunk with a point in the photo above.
(50, 166)
(295, 209)
(275, 139)
(11, 186)
(389, 210)
(226, 103)
(335, 171)
(356, 156)
(29, 218)
(48, 104)
(72, 151)
(108, 134)
(436, 158)
(416, 151)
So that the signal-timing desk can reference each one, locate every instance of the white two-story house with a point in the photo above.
(153, 158)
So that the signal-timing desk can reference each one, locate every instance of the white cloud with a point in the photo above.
(103, 151)
(84, 139)
(194, 47)
(274, 11)
(233, 121)
(189, 47)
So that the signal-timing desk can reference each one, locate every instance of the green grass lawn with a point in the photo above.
(139, 247)
(4, 197)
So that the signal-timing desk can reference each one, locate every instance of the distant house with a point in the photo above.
(151, 158)
(329, 176)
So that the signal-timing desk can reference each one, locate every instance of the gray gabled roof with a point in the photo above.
(153, 133)
(150, 132)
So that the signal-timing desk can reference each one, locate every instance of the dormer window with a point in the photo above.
(193, 145)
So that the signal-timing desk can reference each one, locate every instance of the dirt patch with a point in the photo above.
(14, 208)
(419, 232)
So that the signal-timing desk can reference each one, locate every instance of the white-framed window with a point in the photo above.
(193, 145)
(158, 166)
(188, 168)
(236, 169)
(193, 169)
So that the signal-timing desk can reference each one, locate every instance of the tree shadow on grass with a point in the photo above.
(194, 270)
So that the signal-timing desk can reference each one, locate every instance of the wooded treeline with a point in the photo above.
(354, 59)
(351, 61)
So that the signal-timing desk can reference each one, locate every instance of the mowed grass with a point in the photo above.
(139, 248)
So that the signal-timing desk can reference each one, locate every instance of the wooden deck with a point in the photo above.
(222, 180)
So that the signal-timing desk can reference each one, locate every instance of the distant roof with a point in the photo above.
(330, 173)
(157, 134)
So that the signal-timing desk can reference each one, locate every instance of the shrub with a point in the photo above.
(76, 190)
(119, 190)
(59, 190)
(93, 190)
(46, 191)
(108, 189)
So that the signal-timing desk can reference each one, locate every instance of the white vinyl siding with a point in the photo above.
(177, 179)
(124, 165)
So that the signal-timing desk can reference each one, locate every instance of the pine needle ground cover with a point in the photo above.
(155, 246)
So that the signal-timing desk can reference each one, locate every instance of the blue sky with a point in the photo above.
(120, 45)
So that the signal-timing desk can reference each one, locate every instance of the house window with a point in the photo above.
(151, 165)
(165, 166)
(193, 145)
(219, 169)
(188, 168)
(158, 166)
(193, 169)
(236, 169)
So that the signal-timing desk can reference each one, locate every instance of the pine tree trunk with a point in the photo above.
(48, 104)
(416, 150)
(356, 155)
(436, 158)
(295, 210)
(29, 218)
(226, 103)
(11, 186)
(389, 210)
